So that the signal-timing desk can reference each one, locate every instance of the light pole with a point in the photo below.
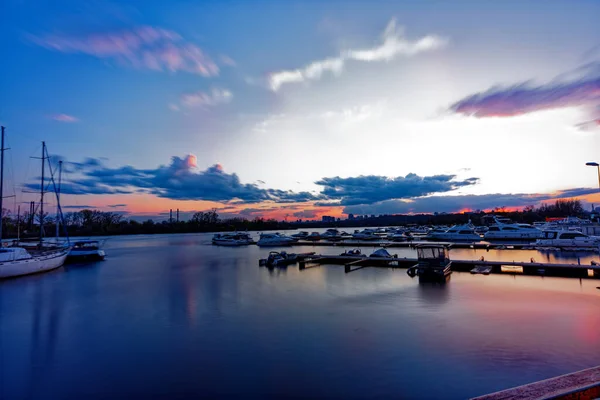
(595, 164)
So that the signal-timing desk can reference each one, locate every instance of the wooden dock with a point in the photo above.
(353, 263)
(413, 243)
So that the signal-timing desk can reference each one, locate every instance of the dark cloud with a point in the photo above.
(305, 214)
(456, 203)
(371, 189)
(578, 88)
(179, 181)
(117, 205)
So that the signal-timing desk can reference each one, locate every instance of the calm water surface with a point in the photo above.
(174, 317)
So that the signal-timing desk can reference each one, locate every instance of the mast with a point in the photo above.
(1, 182)
(42, 194)
(58, 199)
(18, 223)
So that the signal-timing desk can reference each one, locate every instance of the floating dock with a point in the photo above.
(353, 263)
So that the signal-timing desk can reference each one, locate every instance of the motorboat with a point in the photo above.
(17, 261)
(300, 235)
(275, 239)
(382, 253)
(332, 235)
(365, 234)
(400, 236)
(353, 253)
(232, 239)
(279, 259)
(512, 231)
(433, 263)
(567, 239)
(87, 250)
(314, 237)
(464, 232)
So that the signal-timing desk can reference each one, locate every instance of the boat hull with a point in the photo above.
(12, 269)
(87, 255)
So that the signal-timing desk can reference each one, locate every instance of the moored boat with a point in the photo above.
(365, 234)
(232, 239)
(433, 263)
(86, 250)
(275, 239)
(566, 239)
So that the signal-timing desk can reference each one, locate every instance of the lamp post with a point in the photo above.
(595, 164)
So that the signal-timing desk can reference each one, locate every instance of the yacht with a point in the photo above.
(332, 235)
(567, 239)
(506, 231)
(300, 235)
(399, 235)
(232, 239)
(87, 250)
(275, 239)
(365, 234)
(313, 237)
(464, 232)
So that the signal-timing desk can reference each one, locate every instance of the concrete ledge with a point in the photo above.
(579, 385)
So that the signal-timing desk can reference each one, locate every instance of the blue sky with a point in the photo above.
(272, 98)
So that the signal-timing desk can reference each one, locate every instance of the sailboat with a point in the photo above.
(18, 261)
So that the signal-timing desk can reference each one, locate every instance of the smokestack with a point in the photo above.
(171, 216)
(178, 215)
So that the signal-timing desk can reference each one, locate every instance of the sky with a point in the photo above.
(300, 109)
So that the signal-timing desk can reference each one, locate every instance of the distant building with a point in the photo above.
(327, 218)
(351, 216)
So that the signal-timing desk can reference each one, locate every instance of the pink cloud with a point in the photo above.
(526, 98)
(143, 47)
(64, 118)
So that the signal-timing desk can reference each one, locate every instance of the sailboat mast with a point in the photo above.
(58, 199)
(42, 194)
(1, 182)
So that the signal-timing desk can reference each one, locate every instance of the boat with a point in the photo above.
(433, 263)
(332, 235)
(232, 239)
(314, 237)
(365, 234)
(400, 236)
(279, 259)
(567, 239)
(503, 230)
(275, 239)
(18, 261)
(464, 232)
(482, 269)
(353, 253)
(87, 250)
(283, 259)
(300, 235)
(382, 253)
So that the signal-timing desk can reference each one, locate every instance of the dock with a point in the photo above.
(414, 243)
(353, 263)
(577, 385)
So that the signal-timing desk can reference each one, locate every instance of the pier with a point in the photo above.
(353, 263)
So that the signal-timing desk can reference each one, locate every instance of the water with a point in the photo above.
(173, 317)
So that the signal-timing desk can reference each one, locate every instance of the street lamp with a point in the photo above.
(595, 164)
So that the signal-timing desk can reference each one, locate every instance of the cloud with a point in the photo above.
(143, 47)
(573, 89)
(371, 189)
(393, 44)
(202, 99)
(456, 203)
(64, 118)
(116, 205)
(180, 180)
(306, 214)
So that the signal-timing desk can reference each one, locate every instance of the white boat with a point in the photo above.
(314, 237)
(275, 239)
(332, 234)
(567, 239)
(365, 234)
(464, 232)
(18, 261)
(399, 236)
(87, 250)
(232, 239)
(503, 230)
(300, 235)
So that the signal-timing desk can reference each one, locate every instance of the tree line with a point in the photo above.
(95, 222)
